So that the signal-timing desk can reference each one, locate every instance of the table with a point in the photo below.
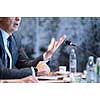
(55, 77)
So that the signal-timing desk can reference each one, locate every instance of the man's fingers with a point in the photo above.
(55, 44)
(29, 79)
(52, 43)
(42, 67)
(60, 41)
(43, 73)
(34, 80)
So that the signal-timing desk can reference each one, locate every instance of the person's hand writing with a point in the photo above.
(43, 69)
(53, 46)
(28, 79)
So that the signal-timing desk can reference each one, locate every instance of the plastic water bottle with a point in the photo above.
(91, 72)
(73, 61)
(98, 69)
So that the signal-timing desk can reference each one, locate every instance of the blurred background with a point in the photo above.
(36, 33)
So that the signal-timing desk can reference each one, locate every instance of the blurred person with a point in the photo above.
(14, 63)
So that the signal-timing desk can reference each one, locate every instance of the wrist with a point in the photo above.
(46, 57)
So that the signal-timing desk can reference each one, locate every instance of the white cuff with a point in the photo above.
(33, 71)
(44, 59)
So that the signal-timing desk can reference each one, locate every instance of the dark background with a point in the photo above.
(36, 33)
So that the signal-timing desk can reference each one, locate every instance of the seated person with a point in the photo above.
(14, 63)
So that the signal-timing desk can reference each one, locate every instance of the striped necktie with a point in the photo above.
(9, 57)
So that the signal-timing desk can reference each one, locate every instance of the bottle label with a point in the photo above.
(73, 66)
(98, 69)
(98, 72)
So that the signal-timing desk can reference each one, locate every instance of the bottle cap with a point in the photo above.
(72, 50)
(91, 57)
(98, 59)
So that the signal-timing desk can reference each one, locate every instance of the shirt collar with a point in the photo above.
(5, 35)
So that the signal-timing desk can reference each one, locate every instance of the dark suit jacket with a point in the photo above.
(21, 62)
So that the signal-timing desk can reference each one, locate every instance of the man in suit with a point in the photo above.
(14, 62)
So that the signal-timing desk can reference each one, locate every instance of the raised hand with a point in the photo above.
(53, 46)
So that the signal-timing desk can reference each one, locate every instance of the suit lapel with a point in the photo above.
(2, 49)
(14, 51)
